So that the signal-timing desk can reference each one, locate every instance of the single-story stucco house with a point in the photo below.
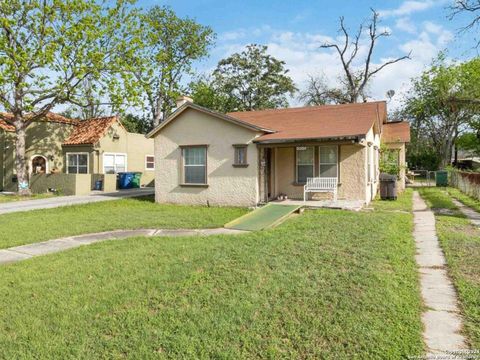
(252, 157)
(69, 155)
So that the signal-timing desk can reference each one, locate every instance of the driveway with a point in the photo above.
(53, 202)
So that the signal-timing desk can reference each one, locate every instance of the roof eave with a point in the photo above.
(225, 117)
(315, 139)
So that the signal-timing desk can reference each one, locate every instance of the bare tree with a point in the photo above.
(357, 78)
(317, 92)
(471, 8)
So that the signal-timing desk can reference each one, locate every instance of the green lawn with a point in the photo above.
(326, 284)
(467, 200)
(33, 226)
(14, 197)
(460, 242)
(403, 202)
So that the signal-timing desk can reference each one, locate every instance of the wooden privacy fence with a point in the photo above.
(467, 182)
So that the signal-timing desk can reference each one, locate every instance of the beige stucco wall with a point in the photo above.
(285, 173)
(227, 185)
(44, 139)
(353, 176)
(64, 184)
(136, 146)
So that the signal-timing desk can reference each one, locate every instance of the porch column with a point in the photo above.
(262, 178)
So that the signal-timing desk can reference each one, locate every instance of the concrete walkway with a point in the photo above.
(19, 253)
(442, 321)
(471, 214)
(57, 201)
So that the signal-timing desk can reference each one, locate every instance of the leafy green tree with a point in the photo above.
(250, 80)
(204, 92)
(136, 124)
(469, 142)
(48, 47)
(433, 107)
(170, 46)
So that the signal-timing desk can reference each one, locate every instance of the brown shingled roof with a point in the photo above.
(90, 131)
(396, 132)
(315, 122)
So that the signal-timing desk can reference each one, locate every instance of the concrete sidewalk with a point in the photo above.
(471, 214)
(441, 320)
(19, 253)
(57, 201)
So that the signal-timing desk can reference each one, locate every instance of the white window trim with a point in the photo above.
(30, 169)
(77, 153)
(205, 147)
(320, 159)
(114, 154)
(147, 168)
(296, 162)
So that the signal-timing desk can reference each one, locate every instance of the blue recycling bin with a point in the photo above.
(125, 180)
(98, 185)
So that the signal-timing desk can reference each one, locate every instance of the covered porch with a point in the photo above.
(285, 168)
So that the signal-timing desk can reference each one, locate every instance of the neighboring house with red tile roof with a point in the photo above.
(252, 157)
(60, 145)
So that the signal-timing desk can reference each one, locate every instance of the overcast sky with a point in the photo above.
(293, 31)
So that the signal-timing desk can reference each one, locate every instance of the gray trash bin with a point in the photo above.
(388, 187)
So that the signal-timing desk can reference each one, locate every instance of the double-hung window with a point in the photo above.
(77, 163)
(240, 155)
(149, 162)
(328, 166)
(114, 163)
(305, 156)
(194, 165)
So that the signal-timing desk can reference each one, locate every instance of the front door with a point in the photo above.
(268, 161)
(39, 165)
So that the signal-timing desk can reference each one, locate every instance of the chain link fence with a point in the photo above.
(421, 178)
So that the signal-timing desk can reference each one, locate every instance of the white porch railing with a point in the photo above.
(324, 184)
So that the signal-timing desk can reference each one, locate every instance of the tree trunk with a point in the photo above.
(157, 112)
(20, 160)
(446, 152)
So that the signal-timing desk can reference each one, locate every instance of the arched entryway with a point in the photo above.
(39, 164)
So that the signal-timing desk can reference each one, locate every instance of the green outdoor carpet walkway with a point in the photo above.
(263, 218)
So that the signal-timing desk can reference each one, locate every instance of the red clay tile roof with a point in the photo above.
(6, 126)
(51, 117)
(396, 132)
(90, 131)
(315, 122)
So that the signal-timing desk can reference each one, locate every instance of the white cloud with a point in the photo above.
(303, 57)
(429, 42)
(405, 24)
(431, 27)
(232, 35)
(408, 7)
